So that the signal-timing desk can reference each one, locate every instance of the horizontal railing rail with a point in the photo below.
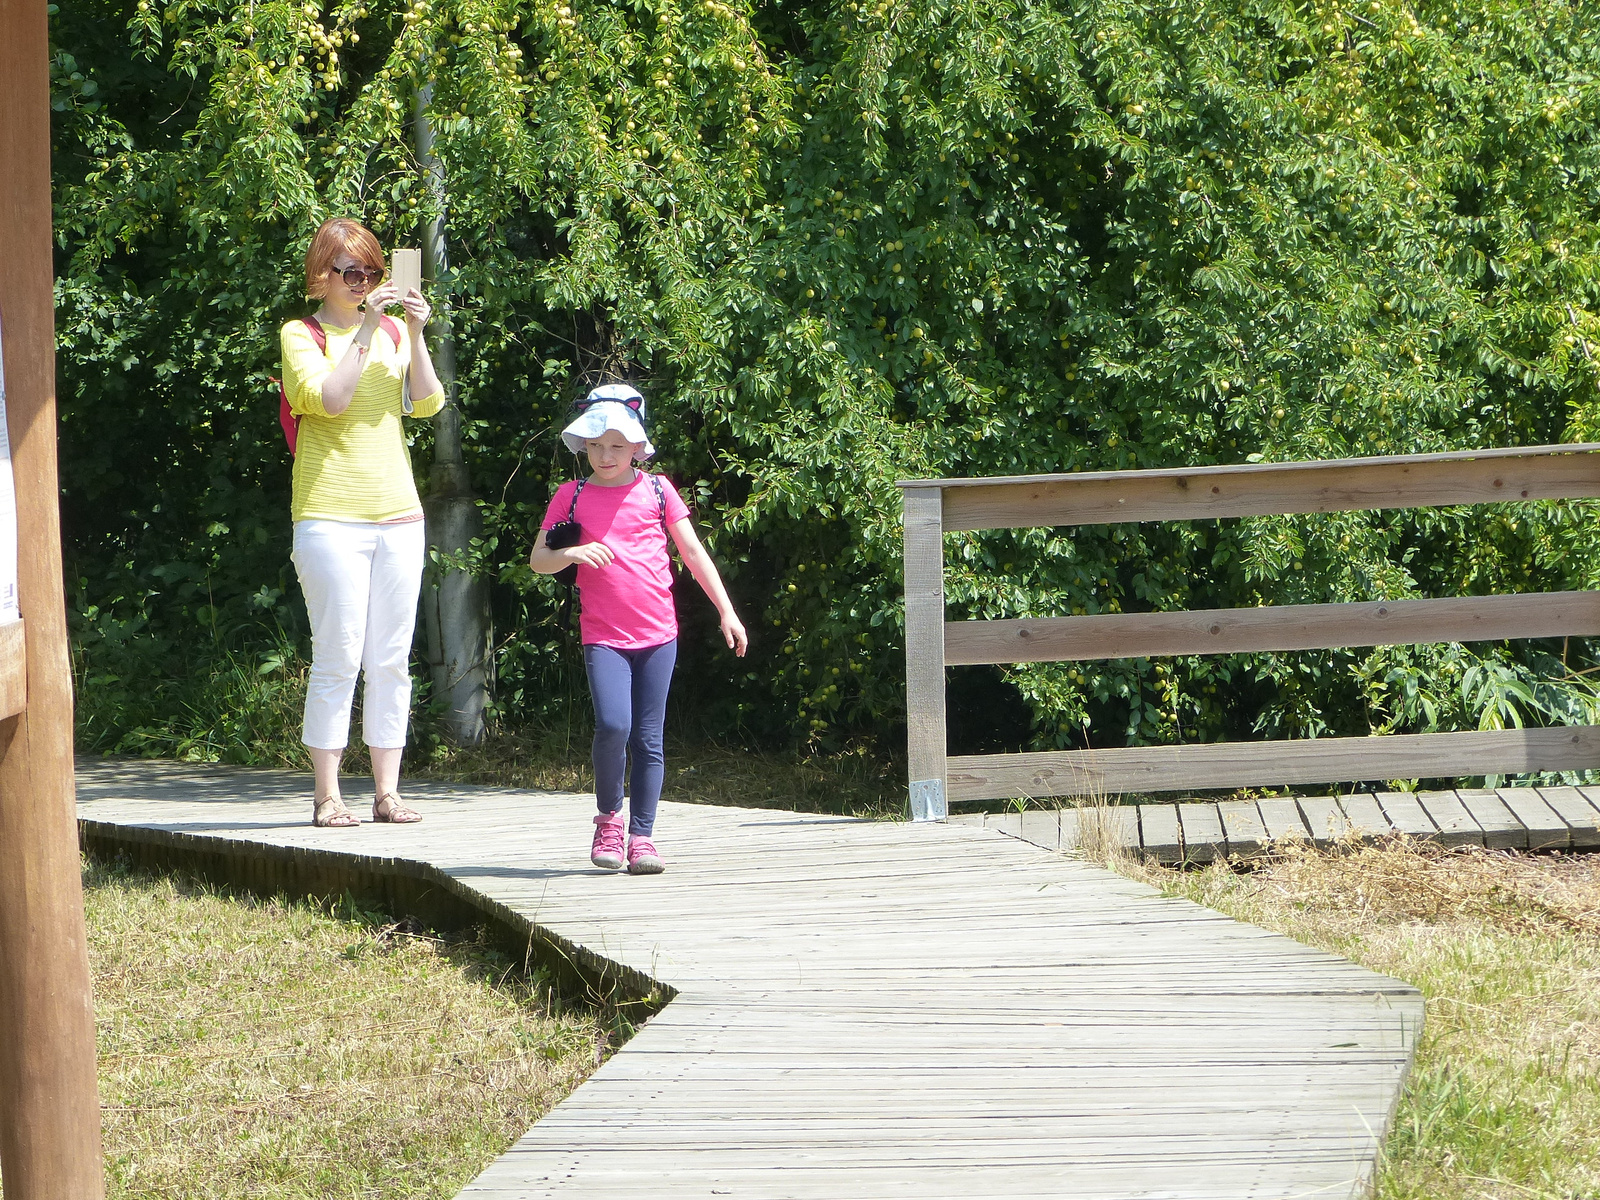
(934, 507)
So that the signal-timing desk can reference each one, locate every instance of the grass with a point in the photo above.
(1504, 1097)
(277, 1051)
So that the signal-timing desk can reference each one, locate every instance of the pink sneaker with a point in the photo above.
(643, 858)
(606, 850)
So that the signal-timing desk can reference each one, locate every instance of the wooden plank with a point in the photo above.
(1279, 628)
(1042, 827)
(1583, 822)
(1203, 839)
(1545, 828)
(1281, 817)
(1242, 826)
(1592, 795)
(1118, 822)
(1501, 829)
(1455, 824)
(1159, 834)
(1259, 489)
(1405, 814)
(13, 669)
(925, 700)
(1365, 816)
(1272, 764)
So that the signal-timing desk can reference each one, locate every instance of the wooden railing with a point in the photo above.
(934, 507)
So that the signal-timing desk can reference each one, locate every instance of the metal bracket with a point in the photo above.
(927, 800)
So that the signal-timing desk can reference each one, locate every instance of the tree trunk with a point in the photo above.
(455, 603)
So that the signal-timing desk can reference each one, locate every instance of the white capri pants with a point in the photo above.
(361, 583)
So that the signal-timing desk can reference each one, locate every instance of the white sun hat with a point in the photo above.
(609, 406)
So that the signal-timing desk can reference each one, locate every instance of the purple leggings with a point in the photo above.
(630, 708)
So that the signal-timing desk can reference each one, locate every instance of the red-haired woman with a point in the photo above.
(358, 534)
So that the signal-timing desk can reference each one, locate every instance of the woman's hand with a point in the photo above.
(417, 311)
(590, 554)
(733, 633)
(378, 299)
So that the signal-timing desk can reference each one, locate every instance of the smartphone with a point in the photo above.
(406, 270)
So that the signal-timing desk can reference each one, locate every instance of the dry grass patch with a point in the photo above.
(268, 1049)
(1504, 1099)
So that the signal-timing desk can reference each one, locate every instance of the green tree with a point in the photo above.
(843, 243)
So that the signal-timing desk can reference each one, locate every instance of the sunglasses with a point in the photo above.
(355, 277)
(582, 406)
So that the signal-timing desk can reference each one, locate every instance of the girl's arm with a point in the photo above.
(547, 561)
(705, 574)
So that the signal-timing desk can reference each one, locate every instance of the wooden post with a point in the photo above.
(49, 1106)
(925, 723)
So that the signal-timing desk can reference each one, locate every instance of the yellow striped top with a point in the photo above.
(352, 467)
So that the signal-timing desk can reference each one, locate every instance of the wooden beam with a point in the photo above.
(925, 710)
(1258, 489)
(1288, 627)
(49, 1106)
(1268, 764)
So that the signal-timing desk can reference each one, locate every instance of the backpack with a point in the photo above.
(567, 533)
(286, 415)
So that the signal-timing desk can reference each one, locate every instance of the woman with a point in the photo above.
(358, 533)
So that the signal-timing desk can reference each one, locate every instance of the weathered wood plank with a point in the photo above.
(1159, 834)
(1365, 816)
(1546, 829)
(924, 607)
(1203, 839)
(1279, 628)
(1325, 818)
(1258, 489)
(1501, 829)
(1042, 827)
(1406, 814)
(1282, 818)
(13, 669)
(1592, 795)
(1257, 764)
(1583, 822)
(1455, 824)
(1242, 826)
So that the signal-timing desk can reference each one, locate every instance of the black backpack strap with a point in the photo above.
(661, 499)
(572, 509)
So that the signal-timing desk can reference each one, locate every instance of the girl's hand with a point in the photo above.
(592, 554)
(733, 633)
(378, 299)
(417, 311)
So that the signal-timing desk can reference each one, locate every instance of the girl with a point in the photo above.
(358, 535)
(628, 624)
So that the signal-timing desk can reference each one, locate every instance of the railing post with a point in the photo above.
(49, 1106)
(925, 725)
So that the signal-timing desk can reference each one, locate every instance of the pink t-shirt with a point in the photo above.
(629, 603)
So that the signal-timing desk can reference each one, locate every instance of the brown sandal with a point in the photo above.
(396, 813)
(329, 812)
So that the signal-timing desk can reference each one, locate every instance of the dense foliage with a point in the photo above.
(841, 244)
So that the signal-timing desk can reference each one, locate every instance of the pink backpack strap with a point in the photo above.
(288, 420)
(392, 328)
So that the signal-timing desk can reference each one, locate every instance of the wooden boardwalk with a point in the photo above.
(876, 1009)
(1550, 818)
